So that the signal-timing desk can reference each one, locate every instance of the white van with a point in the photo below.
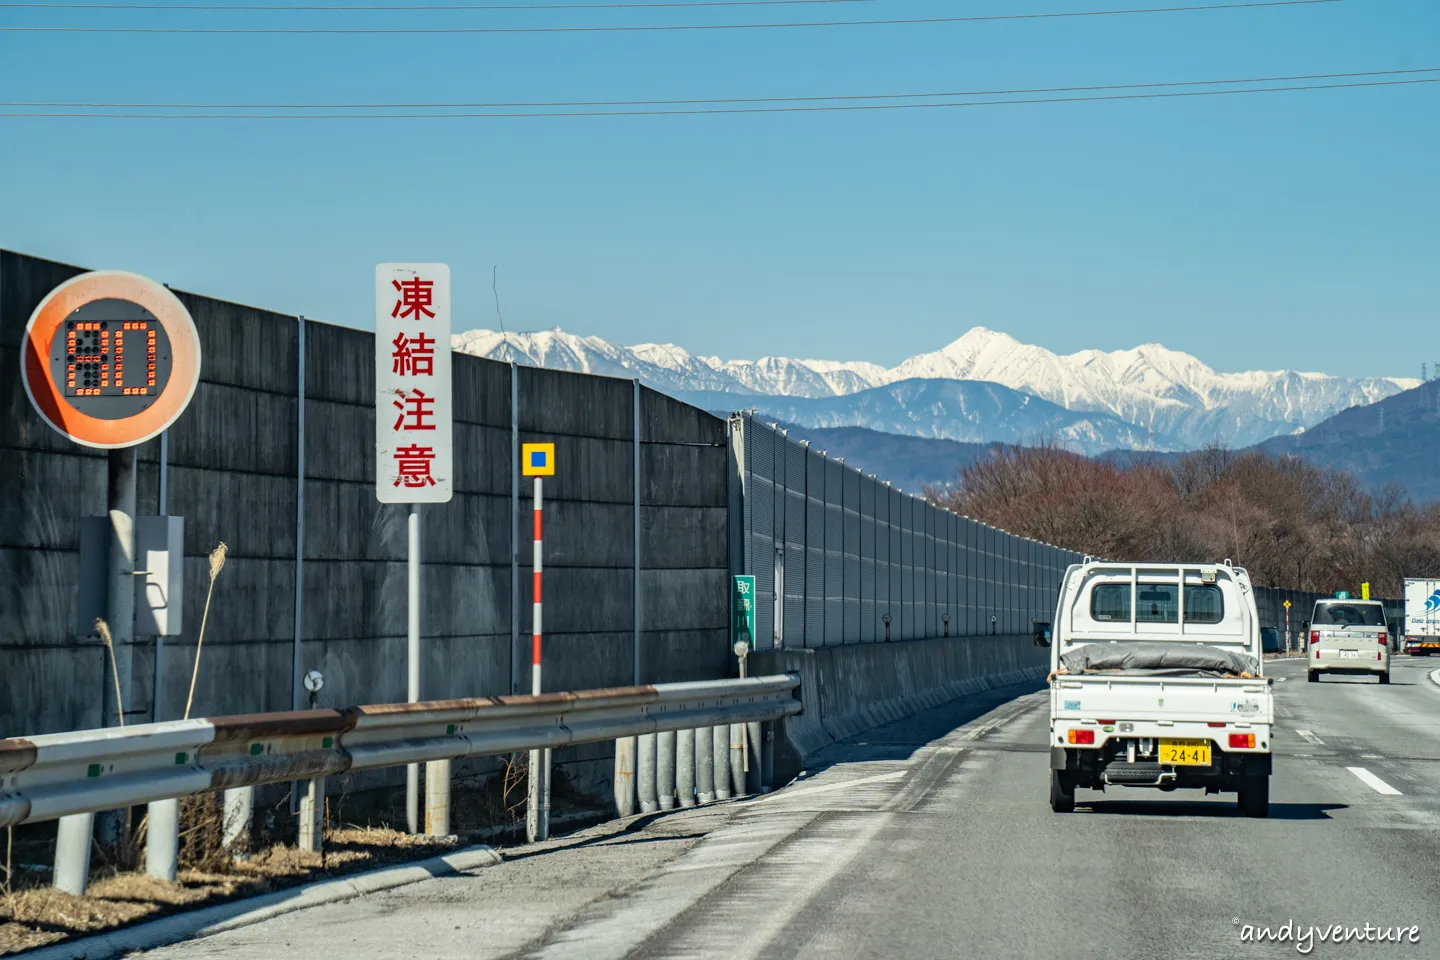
(1348, 636)
(1157, 681)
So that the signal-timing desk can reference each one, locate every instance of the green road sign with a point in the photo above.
(742, 610)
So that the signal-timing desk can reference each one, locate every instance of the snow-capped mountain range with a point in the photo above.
(992, 387)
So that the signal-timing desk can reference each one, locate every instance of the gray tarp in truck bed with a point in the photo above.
(1152, 659)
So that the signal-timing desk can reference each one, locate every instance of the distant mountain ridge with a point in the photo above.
(1145, 398)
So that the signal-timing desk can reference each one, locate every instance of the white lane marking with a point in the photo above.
(1281, 679)
(1435, 677)
(803, 792)
(1371, 756)
(1311, 737)
(1374, 782)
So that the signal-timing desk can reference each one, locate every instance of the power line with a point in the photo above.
(725, 110)
(651, 28)
(303, 8)
(1018, 91)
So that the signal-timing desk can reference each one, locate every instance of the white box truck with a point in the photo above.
(1422, 616)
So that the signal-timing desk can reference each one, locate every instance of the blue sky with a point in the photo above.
(1280, 230)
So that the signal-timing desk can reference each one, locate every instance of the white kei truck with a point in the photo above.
(1157, 680)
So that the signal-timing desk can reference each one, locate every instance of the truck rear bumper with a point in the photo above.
(1096, 768)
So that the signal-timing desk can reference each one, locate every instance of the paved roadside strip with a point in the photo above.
(209, 921)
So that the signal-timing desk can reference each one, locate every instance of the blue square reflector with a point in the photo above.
(537, 458)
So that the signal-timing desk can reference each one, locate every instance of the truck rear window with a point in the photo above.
(1157, 603)
(1342, 614)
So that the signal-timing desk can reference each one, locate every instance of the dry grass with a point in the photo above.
(120, 894)
(37, 916)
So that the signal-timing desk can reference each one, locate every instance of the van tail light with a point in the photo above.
(1082, 736)
(1317, 653)
(1380, 639)
(1379, 656)
(1314, 636)
(1243, 740)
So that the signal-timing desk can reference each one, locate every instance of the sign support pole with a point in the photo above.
(537, 815)
(412, 771)
(72, 846)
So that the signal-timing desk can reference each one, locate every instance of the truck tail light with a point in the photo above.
(1105, 722)
(1082, 736)
(1215, 723)
(1244, 740)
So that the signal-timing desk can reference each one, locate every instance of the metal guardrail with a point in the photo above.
(62, 774)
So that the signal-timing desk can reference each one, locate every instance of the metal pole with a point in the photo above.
(158, 683)
(635, 523)
(412, 771)
(297, 684)
(514, 529)
(162, 836)
(645, 773)
(437, 798)
(665, 769)
(239, 804)
(120, 607)
(720, 759)
(72, 853)
(624, 782)
(704, 764)
(754, 746)
(312, 815)
(737, 759)
(767, 758)
(685, 767)
(162, 839)
(537, 814)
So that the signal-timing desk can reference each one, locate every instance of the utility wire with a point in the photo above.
(726, 110)
(304, 8)
(651, 28)
(1018, 91)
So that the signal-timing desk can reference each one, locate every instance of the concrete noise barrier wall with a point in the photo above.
(846, 690)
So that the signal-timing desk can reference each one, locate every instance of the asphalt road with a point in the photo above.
(933, 838)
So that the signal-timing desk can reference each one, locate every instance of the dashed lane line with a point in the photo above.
(1374, 782)
(1311, 737)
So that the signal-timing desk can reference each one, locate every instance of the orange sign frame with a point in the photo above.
(46, 395)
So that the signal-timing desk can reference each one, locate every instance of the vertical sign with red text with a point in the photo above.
(414, 452)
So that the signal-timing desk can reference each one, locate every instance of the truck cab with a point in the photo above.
(1157, 681)
(1348, 636)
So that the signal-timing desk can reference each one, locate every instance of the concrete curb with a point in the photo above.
(208, 921)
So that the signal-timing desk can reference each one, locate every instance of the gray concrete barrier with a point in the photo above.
(849, 689)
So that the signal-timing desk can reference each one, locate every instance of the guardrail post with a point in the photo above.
(685, 767)
(72, 853)
(737, 760)
(437, 798)
(720, 759)
(752, 758)
(162, 839)
(665, 769)
(239, 807)
(312, 815)
(645, 773)
(704, 765)
(767, 757)
(624, 781)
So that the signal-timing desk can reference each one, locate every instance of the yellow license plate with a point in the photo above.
(1188, 753)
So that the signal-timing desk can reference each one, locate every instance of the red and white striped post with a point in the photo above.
(538, 460)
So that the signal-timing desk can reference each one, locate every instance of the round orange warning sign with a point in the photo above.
(110, 359)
